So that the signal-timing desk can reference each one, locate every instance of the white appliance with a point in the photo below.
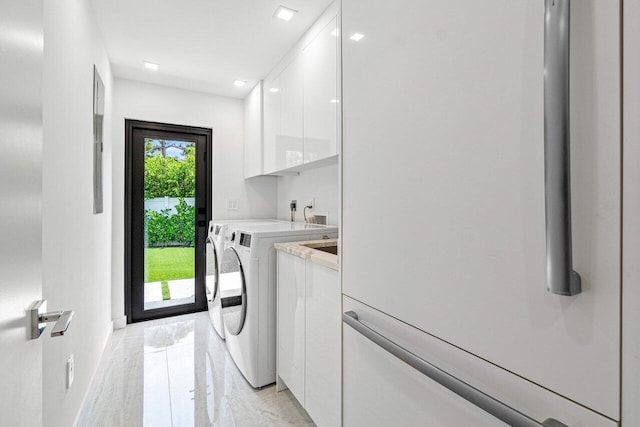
(249, 265)
(215, 246)
(446, 120)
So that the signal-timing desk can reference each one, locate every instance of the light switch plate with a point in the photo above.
(232, 204)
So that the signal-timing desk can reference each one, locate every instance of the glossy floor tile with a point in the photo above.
(177, 372)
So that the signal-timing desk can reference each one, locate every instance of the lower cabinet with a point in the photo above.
(309, 336)
(291, 322)
(379, 389)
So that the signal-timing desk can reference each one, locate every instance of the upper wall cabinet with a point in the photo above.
(283, 132)
(271, 88)
(253, 133)
(321, 94)
(289, 142)
(301, 103)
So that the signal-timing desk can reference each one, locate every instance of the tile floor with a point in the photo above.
(177, 372)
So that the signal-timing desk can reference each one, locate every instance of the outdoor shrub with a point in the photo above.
(167, 229)
(170, 177)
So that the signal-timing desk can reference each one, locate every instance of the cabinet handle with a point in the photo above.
(561, 278)
(482, 400)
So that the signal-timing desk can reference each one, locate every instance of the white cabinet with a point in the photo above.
(321, 98)
(289, 141)
(301, 104)
(283, 118)
(271, 93)
(253, 132)
(382, 390)
(291, 322)
(451, 109)
(309, 336)
(322, 397)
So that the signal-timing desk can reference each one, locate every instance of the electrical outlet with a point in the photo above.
(232, 204)
(311, 203)
(70, 371)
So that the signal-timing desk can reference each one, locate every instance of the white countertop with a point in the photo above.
(306, 250)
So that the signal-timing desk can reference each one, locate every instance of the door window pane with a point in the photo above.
(169, 222)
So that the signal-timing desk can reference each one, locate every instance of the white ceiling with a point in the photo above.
(201, 45)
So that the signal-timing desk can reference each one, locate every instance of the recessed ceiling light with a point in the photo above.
(335, 32)
(285, 13)
(334, 101)
(356, 37)
(150, 66)
(274, 90)
(239, 83)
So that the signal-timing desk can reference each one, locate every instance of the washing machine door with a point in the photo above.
(211, 278)
(233, 291)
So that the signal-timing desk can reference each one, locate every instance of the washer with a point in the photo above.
(215, 246)
(249, 267)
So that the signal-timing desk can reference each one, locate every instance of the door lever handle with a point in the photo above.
(40, 317)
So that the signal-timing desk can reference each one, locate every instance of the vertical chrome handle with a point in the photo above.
(561, 279)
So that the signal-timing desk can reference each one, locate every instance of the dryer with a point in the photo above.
(215, 246)
(249, 268)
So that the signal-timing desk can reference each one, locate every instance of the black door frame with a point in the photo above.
(137, 314)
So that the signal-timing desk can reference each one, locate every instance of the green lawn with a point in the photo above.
(168, 264)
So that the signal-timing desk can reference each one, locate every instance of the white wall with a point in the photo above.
(141, 101)
(319, 184)
(76, 243)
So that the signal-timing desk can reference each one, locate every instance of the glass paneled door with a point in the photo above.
(168, 207)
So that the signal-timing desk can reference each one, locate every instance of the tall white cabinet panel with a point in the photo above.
(21, 166)
(323, 379)
(321, 94)
(382, 390)
(291, 322)
(271, 91)
(289, 141)
(443, 124)
(253, 132)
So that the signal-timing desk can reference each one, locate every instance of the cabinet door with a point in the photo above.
(382, 390)
(253, 132)
(321, 94)
(323, 373)
(271, 122)
(291, 318)
(289, 140)
(443, 138)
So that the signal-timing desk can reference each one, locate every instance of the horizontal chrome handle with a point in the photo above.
(480, 399)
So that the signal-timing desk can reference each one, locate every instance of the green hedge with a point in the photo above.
(169, 177)
(167, 229)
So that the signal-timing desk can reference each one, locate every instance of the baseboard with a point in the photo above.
(119, 323)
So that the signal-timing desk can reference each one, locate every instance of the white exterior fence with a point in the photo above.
(159, 204)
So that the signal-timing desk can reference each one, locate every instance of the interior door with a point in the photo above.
(21, 44)
(168, 202)
(444, 139)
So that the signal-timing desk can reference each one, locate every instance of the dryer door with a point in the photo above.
(233, 292)
(211, 278)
